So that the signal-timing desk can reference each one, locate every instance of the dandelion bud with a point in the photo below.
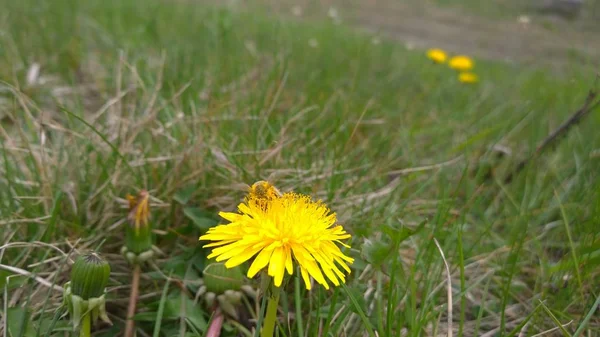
(228, 306)
(249, 291)
(210, 299)
(233, 296)
(219, 279)
(138, 235)
(89, 276)
(84, 294)
(222, 287)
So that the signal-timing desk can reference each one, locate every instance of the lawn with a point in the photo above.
(100, 99)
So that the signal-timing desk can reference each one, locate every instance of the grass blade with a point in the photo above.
(587, 318)
(360, 312)
(556, 321)
(571, 244)
(330, 314)
(161, 309)
(103, 137)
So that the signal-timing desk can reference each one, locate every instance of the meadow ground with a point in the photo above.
(99, 99)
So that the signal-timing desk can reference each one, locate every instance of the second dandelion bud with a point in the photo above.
(138, 232)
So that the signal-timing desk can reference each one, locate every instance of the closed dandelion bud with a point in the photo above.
(201, 291)
(249, 291)
(218, 279)
(210, 299)
(227, 306)
(233, 296)
(138, 235)
(89, 276)
(84, 294)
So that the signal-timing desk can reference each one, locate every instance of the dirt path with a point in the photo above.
(423, 25)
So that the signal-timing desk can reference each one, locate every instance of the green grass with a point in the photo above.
(192, 103)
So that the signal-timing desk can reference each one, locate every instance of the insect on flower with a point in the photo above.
(263, 190)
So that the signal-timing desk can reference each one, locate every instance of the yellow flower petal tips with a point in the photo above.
(461, 63)
(280, 231)
(467, 77)
(437, 55)
(138, 210)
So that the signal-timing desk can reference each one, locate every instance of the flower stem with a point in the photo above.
(86, 325)
(298, 301)
(271, 315)
(133, 295)
(214, 329)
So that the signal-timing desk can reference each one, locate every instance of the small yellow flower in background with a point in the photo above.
(138, 210)
(461, 63)
(466, 77)
(292, 229)
(437, 55)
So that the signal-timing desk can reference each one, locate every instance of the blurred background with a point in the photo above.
(412, 120)
(530, 30)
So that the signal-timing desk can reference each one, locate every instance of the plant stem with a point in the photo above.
(298, 301)
(86, 325)
(133, 295)
(214, 329)
(271, 316)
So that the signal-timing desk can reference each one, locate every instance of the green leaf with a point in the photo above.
(110, 332)
(51, 323)
(3, 275)
(185, 194)
(193, 313)
(18, 323)
(403, 233)
(202, 219)
(172, 311)
(15, 281)
(148, 316)
(376, 252)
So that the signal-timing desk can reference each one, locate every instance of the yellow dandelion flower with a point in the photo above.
(139, 210)
(461, 63)
(293, 228)
(467, 77)
(437, 55)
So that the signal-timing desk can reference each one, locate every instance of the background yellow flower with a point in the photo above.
(467, 77)
(461, 63)
(437, 55)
